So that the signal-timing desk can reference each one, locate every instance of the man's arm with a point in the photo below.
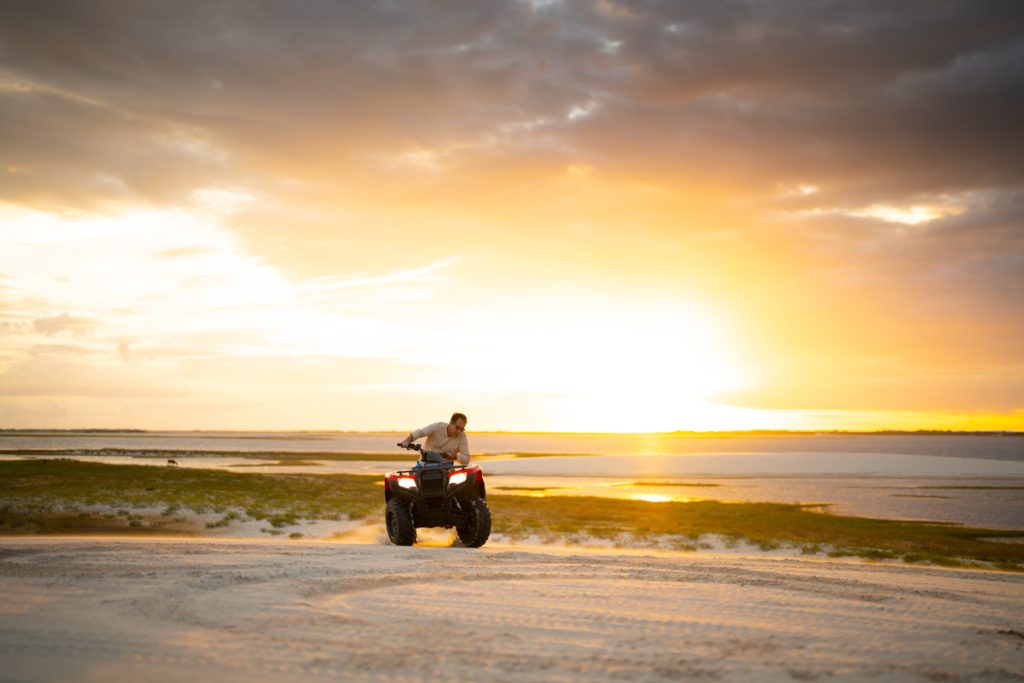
(460, 452)
(419, 433)
(463, 452)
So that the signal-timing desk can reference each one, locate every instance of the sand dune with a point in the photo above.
(129, 610)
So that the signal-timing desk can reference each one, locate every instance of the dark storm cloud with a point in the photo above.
(964, 270)
(990, 233)
(868, 99)
(872, 102)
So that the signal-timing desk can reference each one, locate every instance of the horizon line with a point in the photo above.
(677, 432)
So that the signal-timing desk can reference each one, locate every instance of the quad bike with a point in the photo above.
(436, 493)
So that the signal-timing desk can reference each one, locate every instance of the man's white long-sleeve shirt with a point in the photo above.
(438, 440)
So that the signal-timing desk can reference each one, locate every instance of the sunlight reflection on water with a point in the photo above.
(657, 498)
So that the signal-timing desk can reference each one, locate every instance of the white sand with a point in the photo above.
(217, 610)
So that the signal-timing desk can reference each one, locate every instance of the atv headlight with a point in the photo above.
(457, 478)
(407, 482)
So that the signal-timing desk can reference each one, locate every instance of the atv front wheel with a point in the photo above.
(474, 531)
(399, 522)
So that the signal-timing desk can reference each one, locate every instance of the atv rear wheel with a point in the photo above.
(398, 520)
(474, 531)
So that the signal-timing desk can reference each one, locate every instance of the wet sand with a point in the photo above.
(243, 610)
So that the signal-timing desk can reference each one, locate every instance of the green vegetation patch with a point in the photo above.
(43, 495)
(919, 495)
(62, 496)
(973, 488)
(763, 524)
(284, 457)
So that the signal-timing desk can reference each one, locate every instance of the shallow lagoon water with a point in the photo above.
(961, 446)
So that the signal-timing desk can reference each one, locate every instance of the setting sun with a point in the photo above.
(605, 229)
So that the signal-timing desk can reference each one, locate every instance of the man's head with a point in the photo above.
(457, 424)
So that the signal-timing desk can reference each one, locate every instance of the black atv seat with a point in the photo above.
(432, 458)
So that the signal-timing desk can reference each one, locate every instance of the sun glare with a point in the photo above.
(618, 370)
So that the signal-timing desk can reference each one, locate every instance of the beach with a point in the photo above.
(244, 610)
(291, 595)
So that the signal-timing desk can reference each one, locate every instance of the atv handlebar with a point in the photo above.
(436, 457)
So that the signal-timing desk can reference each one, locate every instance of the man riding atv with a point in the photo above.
(441, 490)
(449, 439)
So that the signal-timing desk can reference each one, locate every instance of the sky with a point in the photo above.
(549, 215)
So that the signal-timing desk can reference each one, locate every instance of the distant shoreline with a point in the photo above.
(20, 431)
